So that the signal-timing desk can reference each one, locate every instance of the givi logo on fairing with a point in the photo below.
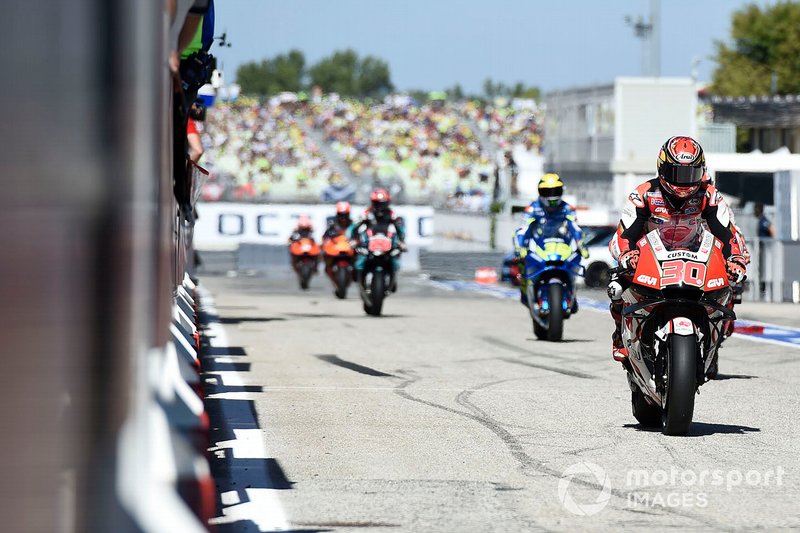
(647, 280)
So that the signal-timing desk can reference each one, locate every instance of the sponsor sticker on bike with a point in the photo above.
(379, 243)
(647, 280)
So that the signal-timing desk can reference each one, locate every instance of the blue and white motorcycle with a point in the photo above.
(551, 262)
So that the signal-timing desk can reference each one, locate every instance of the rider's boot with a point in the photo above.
(618, 350)
(523, 293)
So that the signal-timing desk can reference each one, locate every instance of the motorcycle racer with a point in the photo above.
(548, 207)
(679, 201)
(378, 214)
(303, 230)
(338, 224)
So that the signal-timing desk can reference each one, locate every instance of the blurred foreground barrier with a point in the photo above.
(166, 483)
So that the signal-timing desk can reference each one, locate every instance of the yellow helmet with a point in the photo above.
(550, 190)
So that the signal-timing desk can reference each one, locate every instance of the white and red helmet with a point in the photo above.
(342, 208)
(304, 223)
(380, 199)
(681, 167)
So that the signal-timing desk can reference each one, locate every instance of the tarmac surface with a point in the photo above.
(447, 415)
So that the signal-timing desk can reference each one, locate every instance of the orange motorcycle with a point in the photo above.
(305, 256)
(339, 257)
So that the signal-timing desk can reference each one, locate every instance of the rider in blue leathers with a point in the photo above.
(548, 207)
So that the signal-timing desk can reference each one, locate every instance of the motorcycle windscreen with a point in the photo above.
(681, 232)
(553, 240)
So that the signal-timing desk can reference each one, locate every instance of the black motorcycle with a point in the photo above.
(377, 279)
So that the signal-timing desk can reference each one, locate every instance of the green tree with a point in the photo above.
(764, 41)
(284, 72)
(520, 90)
(345, 73)
(374, 78)
(456, 92)
(492, 90)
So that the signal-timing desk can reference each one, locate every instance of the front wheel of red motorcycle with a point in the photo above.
(681, 384)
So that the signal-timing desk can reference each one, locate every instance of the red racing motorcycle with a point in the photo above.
(676, 311)
(339, 257)
(305, 257)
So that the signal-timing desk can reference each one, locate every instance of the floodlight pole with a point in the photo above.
(650, 35)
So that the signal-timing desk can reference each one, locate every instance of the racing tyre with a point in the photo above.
(647, 414)
(597, 275)
(342, 280)
(305, 275)
(377, 293)
(681, 384)
(539, 331)
(555, 323)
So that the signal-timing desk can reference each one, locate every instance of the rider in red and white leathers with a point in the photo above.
(680, 201)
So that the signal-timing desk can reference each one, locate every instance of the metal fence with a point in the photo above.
(774, 271)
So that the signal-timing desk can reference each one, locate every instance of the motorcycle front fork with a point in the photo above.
(543, 302)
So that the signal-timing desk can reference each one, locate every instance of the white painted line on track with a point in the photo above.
(771, 334)
(263, 506)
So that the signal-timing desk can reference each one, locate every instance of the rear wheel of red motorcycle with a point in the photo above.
(341, 283)
(305, 275)
(647, 414)
(681, 384)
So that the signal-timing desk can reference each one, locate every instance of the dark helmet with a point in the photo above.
(681, 168)
(551, 188)
(380, 199)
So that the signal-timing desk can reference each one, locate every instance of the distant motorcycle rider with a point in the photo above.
(339, 224)
(680, 201)
(548, 207)
(303, 230)
(380, 216)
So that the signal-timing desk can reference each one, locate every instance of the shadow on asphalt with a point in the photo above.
(239, 320)
(355, 367)
(702, 429)
(562, 341)
(723, 377)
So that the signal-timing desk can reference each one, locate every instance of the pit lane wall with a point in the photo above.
(223, 226)
(229, 235)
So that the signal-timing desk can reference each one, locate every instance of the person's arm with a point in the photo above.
(354, 231)
(632, 222)
(400, 225)
(572, 223)
(717, 215)
(193, 139)
(188, 30)
(195, 147)
(719, 218)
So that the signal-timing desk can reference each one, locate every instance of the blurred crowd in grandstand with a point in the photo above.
(307, 149)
